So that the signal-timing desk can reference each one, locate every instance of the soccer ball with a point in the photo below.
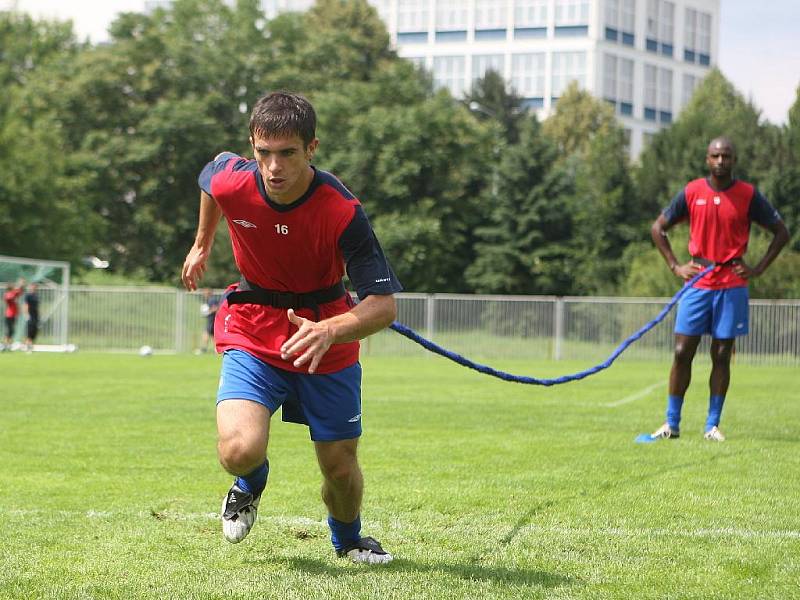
(145, 351)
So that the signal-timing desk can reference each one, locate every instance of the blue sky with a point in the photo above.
(759, 48)
(760, 52)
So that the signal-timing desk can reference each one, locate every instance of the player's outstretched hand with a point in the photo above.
(309, 343)
(194, 267)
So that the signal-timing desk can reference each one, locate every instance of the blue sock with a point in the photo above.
(256, 481)
(674, 405)
(344, 534)
(714, 411)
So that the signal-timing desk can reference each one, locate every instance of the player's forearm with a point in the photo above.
(659, 234)
(779, 239)
(210, 214)
(369, 316)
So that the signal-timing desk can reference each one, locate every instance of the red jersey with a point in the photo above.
(300, 247)
(10, 297)
(719, 225)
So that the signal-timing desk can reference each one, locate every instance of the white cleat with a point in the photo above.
(239, 511)
(366, 551)
(714, 435)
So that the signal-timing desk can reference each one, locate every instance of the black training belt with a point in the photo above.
(248, 292)
(709, 263)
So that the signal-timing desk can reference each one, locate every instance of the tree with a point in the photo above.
(523, 247)
(604, 213)
(491, 99)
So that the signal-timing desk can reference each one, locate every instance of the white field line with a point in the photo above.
(640, 394)
(714, 533)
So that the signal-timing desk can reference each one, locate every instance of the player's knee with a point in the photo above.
(339, 472)
(239, 457)
(684, 353)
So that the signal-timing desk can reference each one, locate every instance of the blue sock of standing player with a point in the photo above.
(344, 534)
(714, 411)
(255, 481)
(674, 406)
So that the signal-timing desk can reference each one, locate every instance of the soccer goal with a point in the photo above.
(52, 280)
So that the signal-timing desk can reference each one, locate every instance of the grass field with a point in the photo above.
(109, 486)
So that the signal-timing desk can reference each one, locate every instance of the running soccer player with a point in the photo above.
(288, 330)
(720, 210)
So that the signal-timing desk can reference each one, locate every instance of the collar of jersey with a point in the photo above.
(725, 189)
(315, 182)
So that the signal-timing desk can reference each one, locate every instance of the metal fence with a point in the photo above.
(483, 328)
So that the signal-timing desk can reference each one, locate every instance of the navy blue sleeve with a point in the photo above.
(212, 168)
(677, 209)
(762, 212)
(367, 267)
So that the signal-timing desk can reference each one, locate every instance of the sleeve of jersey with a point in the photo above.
(677, 209)
(211, 169)
(367, 267)
(762, 212)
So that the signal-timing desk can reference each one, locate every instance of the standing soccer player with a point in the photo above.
(10, 297)
(288, 330)
(32, 312)
(720, 210)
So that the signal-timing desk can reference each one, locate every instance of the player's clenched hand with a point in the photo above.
(687, 271)
(309, 343)
(743, 270)
(194, 267)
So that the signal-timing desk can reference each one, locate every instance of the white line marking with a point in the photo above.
(648, 532)
(636, 396)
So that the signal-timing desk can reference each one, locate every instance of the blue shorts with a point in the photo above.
(329, 404)
(721, 313)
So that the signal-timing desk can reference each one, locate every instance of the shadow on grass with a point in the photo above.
(469, 572)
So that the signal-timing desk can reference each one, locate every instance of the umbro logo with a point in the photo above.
(701, 202)
(355, 419)
(244, 223)
(385, 279)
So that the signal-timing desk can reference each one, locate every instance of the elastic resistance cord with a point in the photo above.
(486, 370)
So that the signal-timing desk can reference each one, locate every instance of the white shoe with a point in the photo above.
(239, 511)
(714, 435)
(368, 551)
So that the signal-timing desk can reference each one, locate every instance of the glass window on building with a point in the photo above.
(412, 16)
(697, 37)
(618, 83)
(567, 67)
(660, 26)
(481, 63)
(657, 94)
(689, 84)
(620, 19)
(528, 74)
(491, 14)
(571, 12)
(451, 15)
(448, 72)
(571, 18)
(530, 13)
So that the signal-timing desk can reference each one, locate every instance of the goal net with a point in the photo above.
(52, 280)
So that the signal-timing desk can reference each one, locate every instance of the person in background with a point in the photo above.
(32, 314)
(10, 296)
(719, 210)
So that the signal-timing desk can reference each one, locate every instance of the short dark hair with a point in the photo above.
(284, 114)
